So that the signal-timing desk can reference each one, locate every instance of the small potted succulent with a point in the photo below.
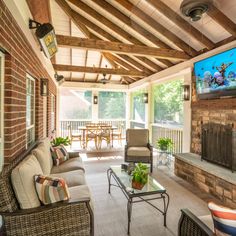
(164, 144)
(140, 176)
(60, 141)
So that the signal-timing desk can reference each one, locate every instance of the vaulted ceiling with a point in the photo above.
(127, 40)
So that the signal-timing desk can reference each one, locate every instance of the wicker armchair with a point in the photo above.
(74, 217)
(138, 148)
(190, 225)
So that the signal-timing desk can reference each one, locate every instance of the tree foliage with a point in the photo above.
(112, 105)
(168, 104)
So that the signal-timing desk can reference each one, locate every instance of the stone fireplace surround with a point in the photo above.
(208, 177)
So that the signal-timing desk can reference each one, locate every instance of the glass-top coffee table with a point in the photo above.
(151, 191)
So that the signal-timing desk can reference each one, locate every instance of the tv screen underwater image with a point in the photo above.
(216, 74)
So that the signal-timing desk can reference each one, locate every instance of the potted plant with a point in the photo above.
(60, 140)
(164, 144)
(140, 176)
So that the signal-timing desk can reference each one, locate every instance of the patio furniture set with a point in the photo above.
(21, 208)
(96, 132)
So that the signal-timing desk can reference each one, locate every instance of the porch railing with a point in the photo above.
(137, 124)
(75, 124)
(175, 133)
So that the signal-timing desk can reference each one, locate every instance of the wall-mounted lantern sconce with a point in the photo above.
(186, 94)
(145, 98)
(46, 37)
(95, 99)
(44, 87)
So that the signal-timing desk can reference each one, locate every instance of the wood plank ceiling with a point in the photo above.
(128, 40)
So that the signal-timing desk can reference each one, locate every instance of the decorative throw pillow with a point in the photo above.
(59, 155)
(224, 220)
(51, 189)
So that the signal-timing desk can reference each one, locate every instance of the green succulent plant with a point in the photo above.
(165, 144)
(60, 140)
(140, 173)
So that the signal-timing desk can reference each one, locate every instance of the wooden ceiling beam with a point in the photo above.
(40, 10)
(222, 20)
(132, 24)
(119, 61)
(137, 64)
(85, 63)
(158, 27)
(104, 21)
(100, 64)
(107, 46)
(183, 24)
(82, 23)
(110, 37)
(96, 70)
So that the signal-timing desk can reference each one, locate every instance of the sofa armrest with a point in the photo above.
(62, 218)
(189, 224)
(150, 146)
(73, 154)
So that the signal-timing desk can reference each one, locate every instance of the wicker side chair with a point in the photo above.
(138, 147)
(59, 219)
(190, 225)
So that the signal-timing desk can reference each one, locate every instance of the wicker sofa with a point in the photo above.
(191, 225)
(73, 217)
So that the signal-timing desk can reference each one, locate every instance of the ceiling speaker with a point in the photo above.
(195, 8)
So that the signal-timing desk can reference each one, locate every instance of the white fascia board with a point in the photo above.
(21, 13)
(95, 86)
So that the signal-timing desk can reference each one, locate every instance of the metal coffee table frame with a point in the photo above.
(130, 197)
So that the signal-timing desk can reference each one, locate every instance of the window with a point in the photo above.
(111, 105)
(1, 110)
(75, 104)
(30, 110)
(168, 103)
(53, 113)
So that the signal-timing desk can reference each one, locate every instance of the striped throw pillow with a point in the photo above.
(59, 155)
(224, 220)
(51, 189)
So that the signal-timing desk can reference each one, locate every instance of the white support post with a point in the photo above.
(58, 112)
(128, 110)
(187, 116)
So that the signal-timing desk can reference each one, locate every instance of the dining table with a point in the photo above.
(83, 130)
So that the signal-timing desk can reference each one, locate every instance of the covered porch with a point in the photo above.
(117, 117)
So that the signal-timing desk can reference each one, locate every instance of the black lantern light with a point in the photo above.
(95, 99)
(44, 87)
(145, 98)
(186, 94)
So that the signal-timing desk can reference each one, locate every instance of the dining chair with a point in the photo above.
(104, 134)
(117, 134)
(74, 136)
(92, 135)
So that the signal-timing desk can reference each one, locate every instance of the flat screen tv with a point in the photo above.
(216, 75)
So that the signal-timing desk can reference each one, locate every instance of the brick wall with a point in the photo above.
(20, 59)
(216, 110)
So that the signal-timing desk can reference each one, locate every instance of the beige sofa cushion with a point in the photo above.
(137, 137)
(22, 178)
(138, 151)
(72, 178)
(44, 158)
(80, 193)
(69, 165)
(47, 144)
